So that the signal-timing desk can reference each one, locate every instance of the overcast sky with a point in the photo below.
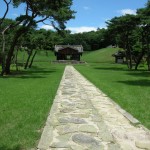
(91, 14)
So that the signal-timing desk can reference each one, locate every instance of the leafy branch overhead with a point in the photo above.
(49, 10)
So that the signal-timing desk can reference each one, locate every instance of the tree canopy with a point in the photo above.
(56, 12)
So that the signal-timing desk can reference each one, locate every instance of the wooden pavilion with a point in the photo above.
(68, 52)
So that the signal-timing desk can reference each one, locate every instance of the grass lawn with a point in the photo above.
(130, 89)
(26, 96)
(25, 101)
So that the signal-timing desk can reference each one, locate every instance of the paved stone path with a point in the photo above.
(84, 118)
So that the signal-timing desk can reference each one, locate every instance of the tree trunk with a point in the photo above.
(23, 57)
(10, 54)
(3, 63)
(148, 50)
(142, 53)
(32, 59)
(3, 50)
(46, 53)
(27, 62)
(128, 51)
(11, 50)
(139, 59)
(148, 62)
(16, 60)
(129, 59)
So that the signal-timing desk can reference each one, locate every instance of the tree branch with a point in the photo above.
(42, 19)
(7, 8)
(27, 9)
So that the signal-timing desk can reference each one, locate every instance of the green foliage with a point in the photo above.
(122, 29)
(89, 40)
(132, 33)
(41, 39)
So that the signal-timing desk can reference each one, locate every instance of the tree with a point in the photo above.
(56, 12)
(144, 28)
(122, 29)
(6, 36)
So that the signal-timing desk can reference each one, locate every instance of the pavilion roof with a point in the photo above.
(79, 48)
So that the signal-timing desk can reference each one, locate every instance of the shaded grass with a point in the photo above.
(130, 89)
(25, 100)
(41, 56)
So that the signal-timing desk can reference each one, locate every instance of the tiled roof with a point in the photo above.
(76, 47)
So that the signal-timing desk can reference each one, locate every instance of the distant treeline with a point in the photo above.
(129, 32)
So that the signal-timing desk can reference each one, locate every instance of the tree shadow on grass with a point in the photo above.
(42, 72)
(38, 68)
(110, 68)
(139, 73)
(142, 83)
(30, 74)
(18, 147)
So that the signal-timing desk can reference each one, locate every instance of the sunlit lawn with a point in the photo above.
(25, 100)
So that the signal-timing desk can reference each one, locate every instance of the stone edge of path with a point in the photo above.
(127, 115)
(43, 143)
(47, 131)
(133, 120)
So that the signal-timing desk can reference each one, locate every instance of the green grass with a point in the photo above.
(25, 101)
(26, 96)
(130, 89)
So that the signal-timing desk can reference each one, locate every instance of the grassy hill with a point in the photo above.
(130, 89)
(99, 56)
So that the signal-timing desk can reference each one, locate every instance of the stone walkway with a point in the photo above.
(84, 118)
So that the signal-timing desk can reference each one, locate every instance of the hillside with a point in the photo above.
(99, 56)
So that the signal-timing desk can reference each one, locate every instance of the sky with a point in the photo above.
(90, 14)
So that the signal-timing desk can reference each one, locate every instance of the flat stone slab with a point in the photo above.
(88, 129)
(83, 118)
(71, 120)
(143, 144)
(89, 141)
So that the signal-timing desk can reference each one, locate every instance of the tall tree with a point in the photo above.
(144, 27)
(122, 29)
(6, 36)
(57, 12)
